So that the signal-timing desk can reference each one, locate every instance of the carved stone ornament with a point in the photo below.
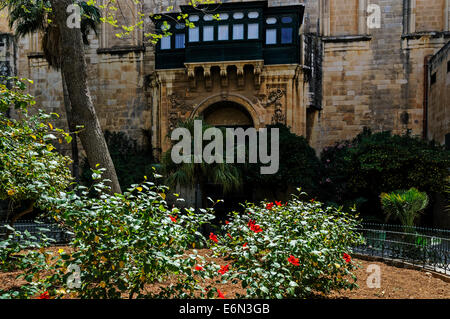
(176, 107)
(273, 98)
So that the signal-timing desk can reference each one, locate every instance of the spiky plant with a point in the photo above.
(199, 174)
(404, 205)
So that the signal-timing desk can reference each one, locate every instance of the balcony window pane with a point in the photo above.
(286, 35)
(179, 41)
(165, 43)
(223, 16)
(194, 35)
(253, 31)
(238, 15)
(238, 32)
(223, 32)
(253, 15)
(194, 18)
(208, 17)
(271, 36)
(286, 20)
(271, 20)
(208, 33)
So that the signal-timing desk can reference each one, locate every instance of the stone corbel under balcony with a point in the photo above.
(205, 67)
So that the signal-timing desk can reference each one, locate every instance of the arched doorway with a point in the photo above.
(227, 114)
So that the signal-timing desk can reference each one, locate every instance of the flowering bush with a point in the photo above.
(123, 242)
(292, 249)
(29, 166)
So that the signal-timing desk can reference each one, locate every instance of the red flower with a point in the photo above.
(213, 237)
(44, 295)
(229, 236)
(227, 222)
(347, 258)
(269, 206)
(256, 228)
(278, 203)
(221, 296)
(173, 219)
(245, 245)
(293, 260)
(199, 268)
(312, 200)
(224, 269)
(253, 227)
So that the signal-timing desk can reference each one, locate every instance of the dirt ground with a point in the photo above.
(396, 283)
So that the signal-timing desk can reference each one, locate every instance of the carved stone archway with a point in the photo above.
(253, 111)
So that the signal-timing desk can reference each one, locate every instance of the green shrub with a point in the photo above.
(299, 165)
(290, 250)
(381, 162)
(123, 242)
(30, 168)
(404, 205)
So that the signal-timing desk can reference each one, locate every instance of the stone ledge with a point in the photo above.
(122, 49)
(36, 55)
(347, 38)
(432, 34)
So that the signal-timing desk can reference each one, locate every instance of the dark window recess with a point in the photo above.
(448, 66)
(180, 40)
(447, 141)
(286, 35)
(433, 78)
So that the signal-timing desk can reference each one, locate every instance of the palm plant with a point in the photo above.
(199, 175)
(404, 205)
(29, 17)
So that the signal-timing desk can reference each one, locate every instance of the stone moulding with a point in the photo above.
(223, 67)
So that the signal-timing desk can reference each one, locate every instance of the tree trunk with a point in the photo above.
(73, 65)
(72, 130)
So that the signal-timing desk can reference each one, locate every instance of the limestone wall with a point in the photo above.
(439, 96)
(376, 78)
(368, 77)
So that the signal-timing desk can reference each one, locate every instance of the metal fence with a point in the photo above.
(425, 247)
(36, 229)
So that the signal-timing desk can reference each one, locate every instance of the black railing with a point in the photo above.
(425, 247)
(38, 230)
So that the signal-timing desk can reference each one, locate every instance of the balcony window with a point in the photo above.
(223, 16)
(238, 32)
(253, 31)
(165, 43)
(286, 20)
(208, 17)
(286, 35)
(194, 34)
(223, 32)
(194, 18)
(271, 20)
(238, 15)
(208, 33)
(179, 41)
(271, 36)
(253, 15)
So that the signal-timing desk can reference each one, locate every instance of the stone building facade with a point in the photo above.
(349, 75)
